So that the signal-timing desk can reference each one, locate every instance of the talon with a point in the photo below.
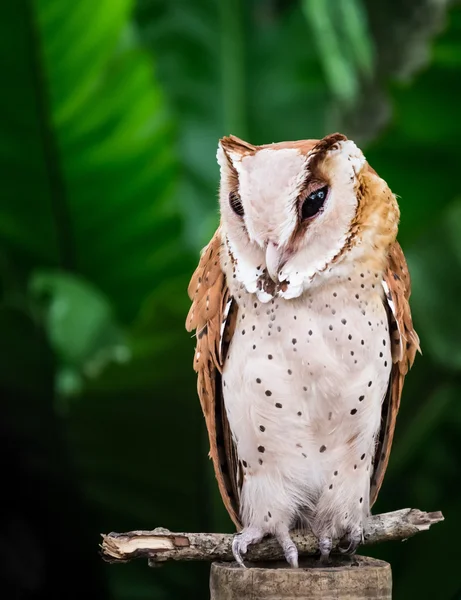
(354, 538)
(241, 542)
(237, 550)
(325, 545)
(289, 549)
(291, 555)
(346, 550)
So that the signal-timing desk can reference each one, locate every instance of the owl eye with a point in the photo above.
(236, 204)
(314, 203)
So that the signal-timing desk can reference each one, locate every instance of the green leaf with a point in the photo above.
(339, 70)
(89, 224)
(423, 140)
(435, 261)
(99, 165)
(357, 37)
(80, 325)
(425, 422)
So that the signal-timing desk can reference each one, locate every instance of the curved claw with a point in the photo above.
(354, 538)
(289, 549)
(241, 542)
(237, 550)
(291, 555)
(325, 545)
(349, 550)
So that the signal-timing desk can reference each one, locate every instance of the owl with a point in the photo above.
(304, 336)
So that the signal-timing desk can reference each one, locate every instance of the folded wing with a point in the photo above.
(212, 315)
(404, 345)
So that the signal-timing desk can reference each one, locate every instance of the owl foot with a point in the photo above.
(325, 545)
(350, 542)
(289, 549)
(242, 540)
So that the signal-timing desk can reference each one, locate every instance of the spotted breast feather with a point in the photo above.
(213, 315)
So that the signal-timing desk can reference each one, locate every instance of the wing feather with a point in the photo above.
(212, 315)
(404, 345)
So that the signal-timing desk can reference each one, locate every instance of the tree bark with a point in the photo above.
(360, 578)
(161, 545)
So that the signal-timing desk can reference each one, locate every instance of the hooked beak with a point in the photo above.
(274, 260)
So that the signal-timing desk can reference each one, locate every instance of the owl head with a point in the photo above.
(294, 214)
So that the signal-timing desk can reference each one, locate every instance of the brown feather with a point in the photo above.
(234, 144)
(210, 296)
(404, 345)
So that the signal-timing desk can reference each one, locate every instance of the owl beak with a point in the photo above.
(273, 260)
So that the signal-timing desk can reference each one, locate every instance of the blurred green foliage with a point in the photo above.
(110, 114)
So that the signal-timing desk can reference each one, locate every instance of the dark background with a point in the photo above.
(110, 115)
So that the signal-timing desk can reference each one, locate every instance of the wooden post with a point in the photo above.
(359, 578)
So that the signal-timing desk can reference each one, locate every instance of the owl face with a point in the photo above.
(293, 213)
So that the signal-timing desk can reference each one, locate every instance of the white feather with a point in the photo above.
(391, 304)
(324, 386)
(223, 326)
(269, 183)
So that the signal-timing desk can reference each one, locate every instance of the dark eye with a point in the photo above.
(313, 203)
(236, 204)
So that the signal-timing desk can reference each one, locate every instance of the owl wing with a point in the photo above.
(212, 315)
(404, 345)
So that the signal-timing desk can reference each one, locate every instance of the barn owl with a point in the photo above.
(304, 335)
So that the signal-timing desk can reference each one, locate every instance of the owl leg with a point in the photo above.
(288, 546)
(241, 541)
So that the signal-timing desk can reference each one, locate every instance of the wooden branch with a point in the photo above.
(161, 544)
